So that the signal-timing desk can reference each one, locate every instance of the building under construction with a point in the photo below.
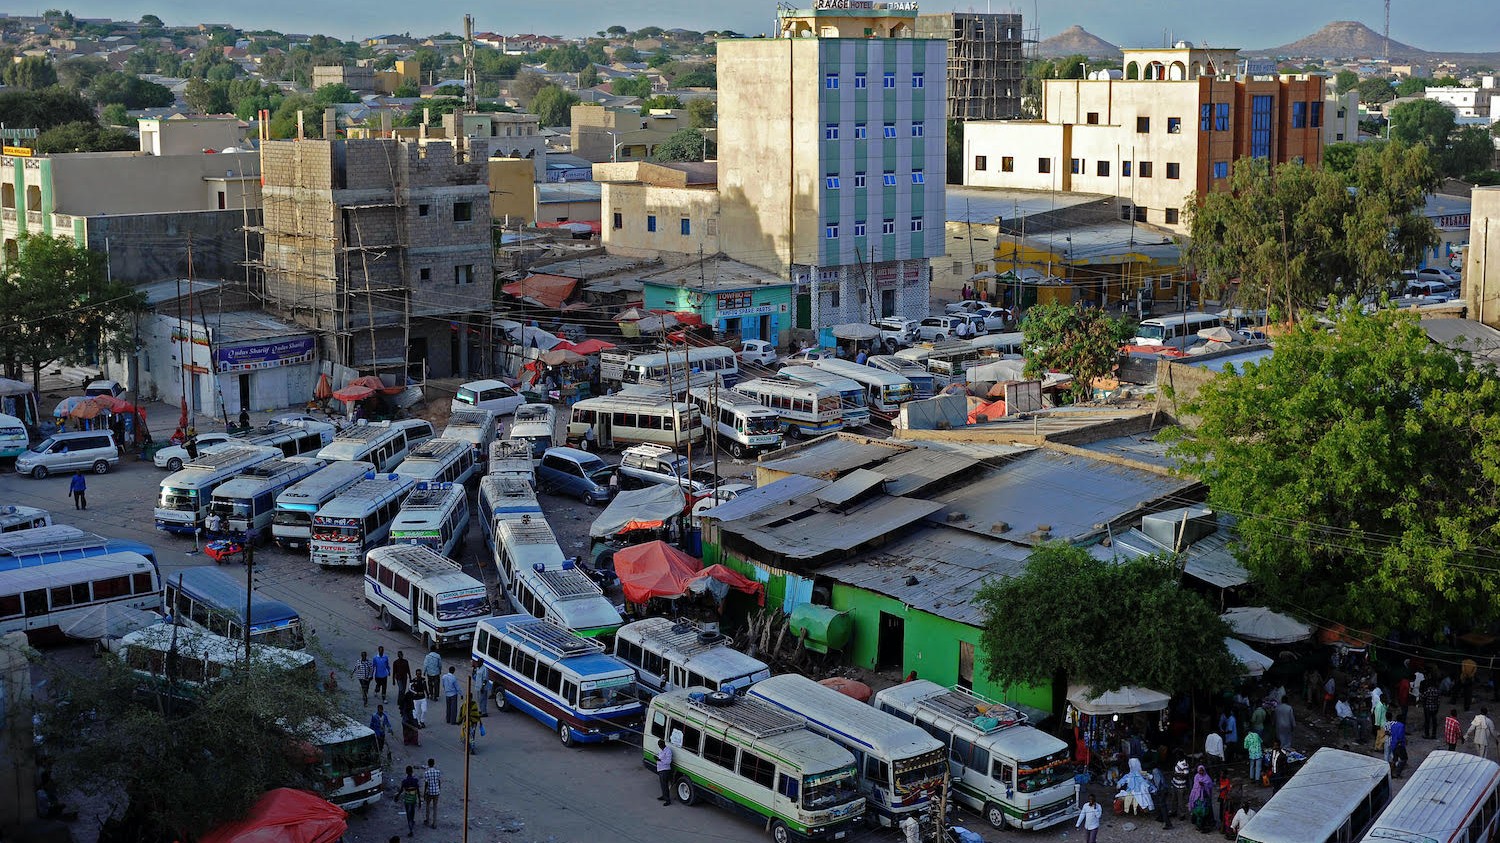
(383, 248)
(986, 62)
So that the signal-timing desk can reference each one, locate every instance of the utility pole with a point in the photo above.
(463, 736)
(249, 593)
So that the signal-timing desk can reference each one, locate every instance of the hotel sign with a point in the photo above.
(893, 5)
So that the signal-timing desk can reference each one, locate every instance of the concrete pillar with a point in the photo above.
(330, 123)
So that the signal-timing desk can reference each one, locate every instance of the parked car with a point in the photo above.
(995, 318)
(895, 331)
(576, 473)
(725, 493)
(60, 453)
(495, 396)
(1440, 274)
(806, 356)
(1429, 289)
(759, 352)
(172, 457)
(104, 387)
(966, 306)
(975, 322)
(644, 465)
(939, 328)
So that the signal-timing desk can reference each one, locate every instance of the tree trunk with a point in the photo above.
(36, 377)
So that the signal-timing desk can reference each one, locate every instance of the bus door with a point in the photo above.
(417, 597)
(604, 429)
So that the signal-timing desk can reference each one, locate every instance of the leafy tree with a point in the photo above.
(206, 97)
(626, 53)
(700, 77)
(569, 58)
(152, 21)
(1469, 151)
(595, 51)
(703, 113)
(1346, 80)
(79, 72)
(659, 58)
(649, 32)
(635, 86)
(222, 72)
(1375, 90)
(617, 31)
(334, 92)
(1083, 341)
(1360, 462)
(955, 149)
(407, 89)
(130, 91)
(1339, 157)
(430, 60)
(493, 64)
(683, 145)
(1101, 624)
(588, 77)
(1425, 122)
(84, 136)
(1411, 86)
(115, 115)
(30, 74)
(663, 101)
(43, 109)
(284, 118)
(554, 105)
(456, 91)
(527, 85)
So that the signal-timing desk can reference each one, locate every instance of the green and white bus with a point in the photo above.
(748, 755)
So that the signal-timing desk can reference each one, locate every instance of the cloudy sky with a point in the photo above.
(1446, 25)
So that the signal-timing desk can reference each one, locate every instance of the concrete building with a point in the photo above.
(602, 133)
(1479, 101)
(986, 62)
(737, 300)
(512, 192)
(1482, 269)
(509, 135)
(1341, 117)
(652, 208)
(1172, 127)
(363, 77)
(382, 247)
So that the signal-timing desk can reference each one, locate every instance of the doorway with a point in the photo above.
(245, 391)
(966, 665)
(887, 302)
(196, 400)
(891, 644)
(416, 358)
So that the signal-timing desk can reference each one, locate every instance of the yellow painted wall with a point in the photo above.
(512, 191)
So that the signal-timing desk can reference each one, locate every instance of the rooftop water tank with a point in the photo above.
(821, 629)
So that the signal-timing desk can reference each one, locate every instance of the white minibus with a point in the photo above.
(633, 419)
(504, 498)
(999, 344)
(946, 361)
(1454, 797)
(440, 461)
(1012, 774)
(852, 399)
(805, 409)
(1180, 330)
(524, 542)
(247, 502)
(901, 768)
(668, 655)
(536, 426)
(476, 426)
(918, 376)
(512, 459)
(291, 526)
(565, 596)
(427, 593)
(185, 494)
(885, 391)
(201, 659)
(358, 519)
(13, 518)
(743, 424)
(39, 601)
(382, 444)
(208, 598)
(434, 515)
(670, 368)
(1332, 799)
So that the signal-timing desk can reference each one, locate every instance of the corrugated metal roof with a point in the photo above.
(813, 533)
(850, 486)
(1208, 559)
(1070, 495)
(917, 469)
(749, 503)
(936, 570)
(833, 456)
(1141, 448)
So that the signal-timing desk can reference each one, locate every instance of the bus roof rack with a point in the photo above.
(983, 714)
(569, 583)
(683, 636)
(420, 558)
(759, 719)
(554, 639)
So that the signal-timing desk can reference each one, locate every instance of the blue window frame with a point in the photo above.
(1125, 168)
(890, 178)
(831, 81)
(859, 131)
(1299, 115)
(651, 222)
(917, 130)
(831, 181)
(831, 131)
(1205, 117)
(859, 228)
(1221, 117)
(1260, 126)
(859, 179)
(831, 231)
(859, 80)
(1317, 114)
(918, 177)
(919, 80)
(685, 225)
(888, 81)
(890, 130)
(1221, 169)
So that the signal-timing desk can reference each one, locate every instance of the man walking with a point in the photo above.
(380, 724)
(1253, 749)
(1286, 723)
(451, 692)
(364, 671)
(1182, 777)
(432, 667)
(1395, 748)
(411, 795)
(664, 771)
(1088, 819)
(382, 665)
(1482, 732)
(1452, 730)
(1163, 797)
(401, 672)
(77, 489)
(1213, 747)
(432, 785)
(1431, 698)
(419, 699)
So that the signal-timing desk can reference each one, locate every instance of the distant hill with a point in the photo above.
(1346, 39)
(1075, 41)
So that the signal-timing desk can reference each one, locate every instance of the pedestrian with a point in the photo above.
(1231, 730)
(1467, 670)
(1395, 748)
(1403, 698)
(486, 691)
(450, 695)
(1286, 723)
(432, 785)
(382, 665)
(1226, 790)
(1200, 800)
(406, 704)
(77, 490)
(401, 672)
(1452, 730)
(588, 440)
(364, 671)
(664, 771)
(380, 724)
(411, 794)
(244, 419)
(1137, 786)
(1430, 701)
(1278, 766)
(1482, 733)
(1163, 797)
(1241, 817)
(432, 666)
(1258, 721)
(1180, 781)
(471, 724)
(419, 699)
(1213, 747)
(1253, 750)
(1088, 819)
(861, 357)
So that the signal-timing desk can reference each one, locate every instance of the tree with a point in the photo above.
(31, 73)
(1359, 462)
(407, 89)
(206, 97)
(1346, 80)
(334, 92)
(569, 58)
(1375, 90)
(56, 301)
(703, 113)
(635, 86)
(80, 72)
(43, 109)
(1411, 86)
(661, 101)
(1082, 341)
(115, 115)
(588, 77)
(659, 58)
(84, 136)
(683, 145)
(955, 150)
(130, 91)
(617, 31)
(1425, 122)
(1339, 157)
(626, 53)
(1101, 624)
(554, 105)
(1469, 151)
(698, 77)
(430, 60)
(527, 85)
(152, 21)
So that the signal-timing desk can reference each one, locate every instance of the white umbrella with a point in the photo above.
(1255, 663)
(109, 620)
(664, 322)
(855, 331)
(1219, 333)
(1264, 626)
(1127, 700)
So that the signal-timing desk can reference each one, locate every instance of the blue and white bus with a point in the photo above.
(805, 409)
(60, 543)
(434, 515)
(185, 494)
(426, 592)
(852, 397)
(208, 598)
(295, 507)
(440, 461)
(247, 503)
(40, 601)
(501, 498)
(357, 520)
(566, 682)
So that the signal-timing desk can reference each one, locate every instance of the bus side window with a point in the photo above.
(786, 786)
(876, 770)
(690, 735)
(658, 724)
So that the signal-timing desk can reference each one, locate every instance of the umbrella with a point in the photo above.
(66, 406)
(651, 324)
(354, 392)
(109, 620)
(1127, 700)
(848, 687)
(631, 315)
(587, 347)
(1254, 663)
(89, 409)
(1219, 333)
(324, 390)
(1264, 626)
(855, 331)
(560, 357)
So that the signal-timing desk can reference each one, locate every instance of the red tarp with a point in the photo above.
(993, 410)
(586, 347)
(654, 569)
(546, 290)
(285, 816)
(1159, 350)
(376, 384)
(735, 581)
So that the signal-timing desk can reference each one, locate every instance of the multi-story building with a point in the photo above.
(986, 62)
(510, 135)
(1341, 117)
(1481, 284)
(603, 133)
(1172, 127)
(383, 248)
(364, 77)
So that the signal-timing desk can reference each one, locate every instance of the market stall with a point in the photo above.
(1104, 721)
(1264, 626)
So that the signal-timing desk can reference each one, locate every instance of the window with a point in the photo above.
(1205, 117)
(1044, 165)
(1317, 114)
(617, 220)
(757, 769)
(1101, 168)
(859, 228)
(651, 222)
(981, 162)
(918, 177)
(1174, 125)
(1174, 170)
(685, 226)
(787, 786)
(463, 211)
(1221, 117)
(918, 130)
(888, 226)
(889, 178)
(888, 81)
(424, 274)
(1221, 169)
(1077, 166)
(1142, 125)
(918, 80)
(422, 210)
(831, 231)
(1093, 118)
(831, 81)
(1145, 169)
(1007, 164)
(463, 273)
(831, 181)
(831, 131)
(916, 223)
(689, 735)
(859, 131)
(1260, 126)
(833, 297)
(1140, 213)
(859, 80)
(859, 179)
(890, 130)
(1299, 115)
(1173, 215)
(1125, 168)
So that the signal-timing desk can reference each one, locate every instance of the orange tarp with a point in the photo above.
(546, 290)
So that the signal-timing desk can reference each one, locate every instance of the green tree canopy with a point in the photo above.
(626, 53)
(1375, 90)
(683, 145)
(1469, 151)
(1425, 122)
(1101, 624)
(703, 113)
(31, 73)
(43, 109)
(635, 86)
(1411, 86)
(554, 105)
(79, 72)
(617, 31)
(588, 77)
(206, 97)
(115, 114)
(334, 92)
(663, 101)
(1082, 341)
(698, 77)
(85, 136)
(128, 90)
(1361, 464)
(1346, 80)
(1340, 157)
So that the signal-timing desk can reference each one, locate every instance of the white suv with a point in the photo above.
(939, 328)
(656, 464)
(895, 331)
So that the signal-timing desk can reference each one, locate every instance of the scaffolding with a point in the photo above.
(986, 62)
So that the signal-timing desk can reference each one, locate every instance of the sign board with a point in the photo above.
(270, 355)
(755, 310)
(22, 151)
(1453, 221)
(891, 5)
(1260, 67)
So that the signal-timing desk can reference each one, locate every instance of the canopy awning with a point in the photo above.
(640, 509)
(1255, 663)
(1264, 626)
(545, 290)
(285, 815)
(1127, 700)
(654, 569)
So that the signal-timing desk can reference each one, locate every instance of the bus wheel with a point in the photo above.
(565, 734)
(737, 450)
(386, 620)
(687, 792)
(501, 704)
(793, 432)
(994, 815)
(780, 833)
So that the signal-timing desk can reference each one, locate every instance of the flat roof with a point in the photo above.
(986, 204)
(832, 456)
(716, 273)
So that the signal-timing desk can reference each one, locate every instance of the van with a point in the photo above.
(646, 465)
(104, 387)
(580, 474)
(496, 396)
(13, 437)
(84, 450)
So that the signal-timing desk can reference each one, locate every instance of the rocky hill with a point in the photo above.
(1075, 41)
(1345, 39)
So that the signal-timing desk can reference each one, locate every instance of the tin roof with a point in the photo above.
(805, 532)
(832, 456)
(746, 504)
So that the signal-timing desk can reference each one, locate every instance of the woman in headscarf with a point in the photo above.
(1200, 800)
(1137, 786)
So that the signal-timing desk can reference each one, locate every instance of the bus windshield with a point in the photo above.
(756, 425)
(230, 508)
(922, 770)
(289, 636)
(335, 533)
(185, 500)
(1151, 332)
(897, 393)
(607, 693)
(1043, 773)
(830, 404)
(827, 790)
(461, 607)
(291, 518)
(351, 757)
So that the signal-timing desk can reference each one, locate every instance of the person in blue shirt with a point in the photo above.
(382, 665)
(76, 490)
(380, 724)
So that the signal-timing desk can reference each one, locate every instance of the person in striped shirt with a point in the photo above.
(432, 785)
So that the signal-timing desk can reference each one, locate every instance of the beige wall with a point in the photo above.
(189, 136)
(85, 184)
(1337, 129)
(1482, 273)
(670, 205)
(512, 191)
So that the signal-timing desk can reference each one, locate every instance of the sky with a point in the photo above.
(1438, 25)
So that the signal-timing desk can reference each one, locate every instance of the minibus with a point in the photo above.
(346, 767)
(745, 754)
(566, 682)
(668, 655)
(918, 376)
(201, 658)
(59, 543)
(291, 525)
(40, 601)
(209, 598)
(512, 459)
(945, 361)
(293, 438)
(805, 409)
(425, 592)
(14, 440)
(185, 494)
(477, 427)
(503, 498)
(743, 424)
(902, 769)
(1332, 799)
(349, 525)
(856, 406)
(524, 542)
(885, 392)
(247, 502)
(535, 425)
(1180, 330)
(382, 444)
(665, 367)
(14, 518)
(434, 515)
(1012, 774)
(1451, 798)
(440, 461)
(1239, 319)
(565, 596)
(634, 419)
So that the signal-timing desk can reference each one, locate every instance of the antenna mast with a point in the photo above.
(1387, 30)
(471, 97)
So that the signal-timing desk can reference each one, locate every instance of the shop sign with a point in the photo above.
(271, 355)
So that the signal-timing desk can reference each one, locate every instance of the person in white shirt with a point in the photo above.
(664, 770)
(1088, 819)
(1343, 710)
(1213, 746)
(1241, 817)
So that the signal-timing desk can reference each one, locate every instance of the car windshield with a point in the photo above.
(1151, 332)
(1043, 773)
(467, 606)
(185, 500)
(466, 396)
(43, 446)
(829, 789)
(291, 518)
(703, 476)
